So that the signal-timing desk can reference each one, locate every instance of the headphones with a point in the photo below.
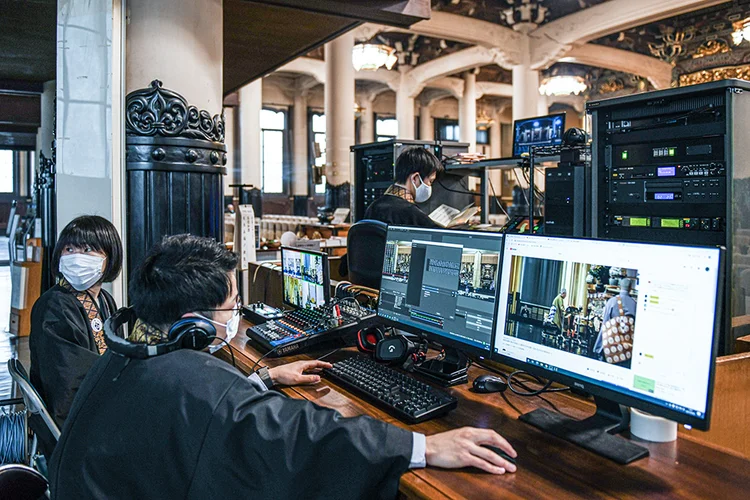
(368, 339)
(398, 349)
(187, 333)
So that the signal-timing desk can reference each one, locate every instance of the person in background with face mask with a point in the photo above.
(67, 320)
(416, 170)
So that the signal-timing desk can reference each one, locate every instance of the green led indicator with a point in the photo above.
(672, 151)
(624, 155)
(640, 222)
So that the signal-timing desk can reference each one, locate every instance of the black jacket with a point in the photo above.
(62, 346)
(396, 211)
(187, 425)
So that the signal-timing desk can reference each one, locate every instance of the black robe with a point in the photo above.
(396, 211)
(62, 346)
(187, 425)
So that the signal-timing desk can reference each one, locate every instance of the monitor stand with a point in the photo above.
(451, 370)
(595, 433)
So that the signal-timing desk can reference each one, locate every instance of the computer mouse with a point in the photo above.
(500, 452)
(489, 383)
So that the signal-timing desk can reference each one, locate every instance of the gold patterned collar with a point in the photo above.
(401, 192)
(143, 333)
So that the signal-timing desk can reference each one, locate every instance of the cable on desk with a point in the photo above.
(531, 392)
(255, 365)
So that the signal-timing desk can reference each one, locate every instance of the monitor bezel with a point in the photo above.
(436, 337)
(515, 122)
(326, 275)
(613, 395)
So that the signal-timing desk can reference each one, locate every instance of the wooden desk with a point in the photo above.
(548, 467)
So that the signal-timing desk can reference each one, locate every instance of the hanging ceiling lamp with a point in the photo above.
(370, 56)
(562, 85)
(484, 121)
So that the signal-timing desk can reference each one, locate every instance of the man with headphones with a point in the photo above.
(158, 418)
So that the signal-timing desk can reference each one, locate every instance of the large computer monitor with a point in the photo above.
(306, 279)
(538, 131)
(442, 283)
(638, 326)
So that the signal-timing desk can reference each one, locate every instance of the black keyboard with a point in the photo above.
(401, 395)
(301, 328)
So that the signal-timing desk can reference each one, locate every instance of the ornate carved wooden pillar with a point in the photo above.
(175, 162)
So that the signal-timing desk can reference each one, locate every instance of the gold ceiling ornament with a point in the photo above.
(610, 86)
(716, 74)
(673, 43)
(711, 48)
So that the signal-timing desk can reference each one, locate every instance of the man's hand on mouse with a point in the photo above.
(463, 448)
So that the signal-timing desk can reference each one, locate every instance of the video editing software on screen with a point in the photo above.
(443, 282)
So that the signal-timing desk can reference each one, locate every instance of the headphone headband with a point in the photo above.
(191, 333)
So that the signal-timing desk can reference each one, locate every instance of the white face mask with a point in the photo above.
(231, 327)
(423, 192)
(82, 271)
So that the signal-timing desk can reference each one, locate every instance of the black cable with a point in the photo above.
(532, 392)
(456, 190)
(494, 195)
(231, 350)
(326, 355)
(264, 356)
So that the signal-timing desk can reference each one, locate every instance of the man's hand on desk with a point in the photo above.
(463, 448)
(298, 373)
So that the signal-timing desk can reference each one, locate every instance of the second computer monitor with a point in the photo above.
(305, 276)
(635, 323)
(443, 283)
(538, 131)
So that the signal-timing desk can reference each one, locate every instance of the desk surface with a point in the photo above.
(547, 466)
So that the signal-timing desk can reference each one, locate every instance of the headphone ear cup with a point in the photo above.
(368, 339)
(192, 333)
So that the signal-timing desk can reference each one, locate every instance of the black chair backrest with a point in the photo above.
(365, 247)
(33, 402)
(21, 482)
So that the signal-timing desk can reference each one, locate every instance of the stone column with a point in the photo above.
(251, 103)
(495, 137)
(366, 119)
(404, 108)
(174, 124)
(467, 111)
(426, 123)
(300, 140)
(339, 111)
(525, 92)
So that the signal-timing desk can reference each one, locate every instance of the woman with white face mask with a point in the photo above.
(67, 320)
(416, 170)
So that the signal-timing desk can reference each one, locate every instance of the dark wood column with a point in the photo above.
(175, 156)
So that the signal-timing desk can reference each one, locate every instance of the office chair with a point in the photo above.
(41, 422)
(365, 247)
(21, 482)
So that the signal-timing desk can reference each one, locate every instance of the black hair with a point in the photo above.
(95, 232)
(182, 274)
(416, 160)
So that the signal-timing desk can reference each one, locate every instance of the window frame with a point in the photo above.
(286, 168)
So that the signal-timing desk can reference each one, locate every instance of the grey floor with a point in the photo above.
(10, 347)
